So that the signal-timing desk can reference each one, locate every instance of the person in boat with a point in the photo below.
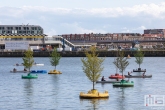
(129, 74)
(17, 64)
(14, 70)
(25, 69)
(102, 79)
(144, 74)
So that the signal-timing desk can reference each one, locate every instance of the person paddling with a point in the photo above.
(102, 79)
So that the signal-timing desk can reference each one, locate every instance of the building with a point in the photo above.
(32, 33)
(155, 31)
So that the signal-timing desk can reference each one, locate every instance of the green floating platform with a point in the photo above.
(30, 76)
(124, 83)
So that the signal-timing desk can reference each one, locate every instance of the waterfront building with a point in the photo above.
(34, 34)
(155, 31)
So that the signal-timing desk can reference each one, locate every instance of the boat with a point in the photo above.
(38, 71)
(94, 94)
(124, 83)
(18, 71)
(139, 70)
(132, 76)
(128, 57)
(30, 76)
(54, 72)
(36, 64)
(107, 81)
(116, 76)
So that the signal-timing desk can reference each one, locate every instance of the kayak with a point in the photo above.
(146, 76)
(18, 71)
(36, 64)
(107, 81)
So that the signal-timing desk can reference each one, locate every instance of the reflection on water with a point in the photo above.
(94, 103)
(28, 93)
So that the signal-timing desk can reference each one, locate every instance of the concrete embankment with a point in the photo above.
(82, 54)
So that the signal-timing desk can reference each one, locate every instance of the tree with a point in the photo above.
(92, 65)
(55, 58)
(139, 57)
(121, 62)
(116, 61)
(28, 59)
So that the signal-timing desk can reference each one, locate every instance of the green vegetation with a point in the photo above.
(139, 57)
(28, 59)
(55, 58)
(92, 65)
(121, 62)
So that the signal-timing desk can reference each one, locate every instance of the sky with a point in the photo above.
(58, 17)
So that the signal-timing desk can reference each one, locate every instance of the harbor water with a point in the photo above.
(61, 92)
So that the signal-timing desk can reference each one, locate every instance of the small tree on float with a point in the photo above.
(55, 58)
(92, 65)
(139, 55)
(121, 62)
(28, 59)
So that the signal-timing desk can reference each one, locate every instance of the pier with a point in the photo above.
(158, 53)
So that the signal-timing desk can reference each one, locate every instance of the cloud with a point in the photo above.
(80, 20)
(77, 29)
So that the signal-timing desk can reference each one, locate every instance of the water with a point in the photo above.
(61, 92)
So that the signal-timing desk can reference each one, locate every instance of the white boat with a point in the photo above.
(38, 64)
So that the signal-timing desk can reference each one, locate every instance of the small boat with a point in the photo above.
(38, 64)
(139, 70)
(124, 83)
(116, 76)
(94, 94)
(128, 57)
(146, 76)
(54, 72)
(30, 76)
(19, 71)
(38, 71)
(35, 64)
(107, 81)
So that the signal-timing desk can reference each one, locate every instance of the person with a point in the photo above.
(129, 74)
(102, 79)
(25, 69)
(17, 64)
(144, 73)
(14, 70)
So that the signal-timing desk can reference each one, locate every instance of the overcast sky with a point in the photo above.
(85, 16)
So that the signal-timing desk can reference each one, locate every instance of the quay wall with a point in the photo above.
(82, 54)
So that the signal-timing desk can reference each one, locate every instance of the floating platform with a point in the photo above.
(30, 76)
(94, 94)
(139, 70)
(107, 81)
(132, 76)
(124, 83)
(54, 72)
(19, 71)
